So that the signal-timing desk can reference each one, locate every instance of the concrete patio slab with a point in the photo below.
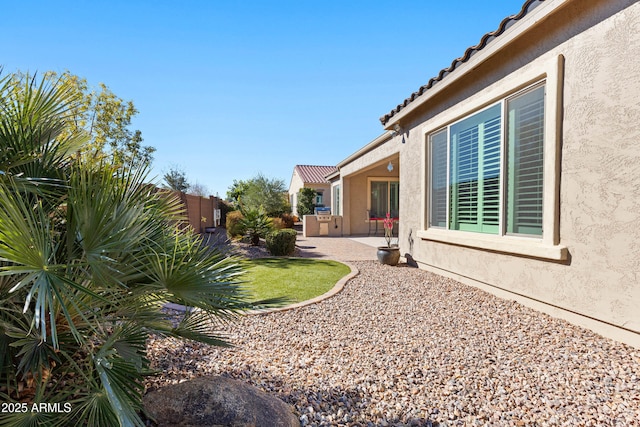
(338, 248)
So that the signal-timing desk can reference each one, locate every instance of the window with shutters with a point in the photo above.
(525, 133)
(486, 170)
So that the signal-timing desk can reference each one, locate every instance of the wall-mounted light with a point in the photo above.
(390, 166)
(397, 129)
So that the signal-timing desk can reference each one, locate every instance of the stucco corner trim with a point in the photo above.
(524, 246)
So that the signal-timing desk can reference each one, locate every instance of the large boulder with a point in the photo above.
(217, 401)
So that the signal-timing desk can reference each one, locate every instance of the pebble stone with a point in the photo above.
(403, 347)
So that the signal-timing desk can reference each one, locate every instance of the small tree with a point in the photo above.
(306, 201)
(236, 191)
(105, 118)
(198, 189)
(260, 192)
(176, 179)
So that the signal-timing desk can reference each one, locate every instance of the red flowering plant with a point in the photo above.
(388, 229)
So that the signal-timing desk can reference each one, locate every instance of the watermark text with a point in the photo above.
(50, 408)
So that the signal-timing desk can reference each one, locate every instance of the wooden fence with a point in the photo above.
(202, 212)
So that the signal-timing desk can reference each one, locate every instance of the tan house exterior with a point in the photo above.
(310, 176)
(519, 165)
(355, 180)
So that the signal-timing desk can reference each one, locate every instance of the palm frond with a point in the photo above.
(121, 364)
(34, 115)
(35, 355)
(198, 326)
(194, 276)
(96, 410)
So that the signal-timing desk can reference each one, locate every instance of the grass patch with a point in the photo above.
(298, 279)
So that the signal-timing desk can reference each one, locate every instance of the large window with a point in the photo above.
(384, 197)
(486, 171)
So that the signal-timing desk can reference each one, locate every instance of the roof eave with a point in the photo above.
(370, 146)
(333, 175)
(513, 33)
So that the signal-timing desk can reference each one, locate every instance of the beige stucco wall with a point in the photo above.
(312, 227)
(598, 285)
(295, 185)
(354, 176)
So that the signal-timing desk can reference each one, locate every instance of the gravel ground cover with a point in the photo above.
(401, 346)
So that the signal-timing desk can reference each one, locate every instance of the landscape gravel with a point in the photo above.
(400, 346)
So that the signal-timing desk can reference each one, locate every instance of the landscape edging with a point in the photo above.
(331, 292)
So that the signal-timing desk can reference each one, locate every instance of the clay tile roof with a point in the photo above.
(314, 174)
(528, 6)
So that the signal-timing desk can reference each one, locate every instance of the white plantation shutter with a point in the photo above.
(474, 172)
(525, 171)
(464, 169)
(491, 175)
(438, 181)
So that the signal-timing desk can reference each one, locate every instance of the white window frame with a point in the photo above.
(548, 245)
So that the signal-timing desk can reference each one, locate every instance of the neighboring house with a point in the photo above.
(310, 177)
(519, 165)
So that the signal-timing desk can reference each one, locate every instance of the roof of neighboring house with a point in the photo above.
(314, 174)
(528, 6)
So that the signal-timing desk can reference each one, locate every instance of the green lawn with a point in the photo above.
(298, 279)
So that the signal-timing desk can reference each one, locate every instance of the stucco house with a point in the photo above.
(518, 167)
(310, 176)
(366, 185)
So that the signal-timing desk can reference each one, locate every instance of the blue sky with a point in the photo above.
(230, 89)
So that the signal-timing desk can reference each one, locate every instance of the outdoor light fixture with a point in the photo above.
(397, 129)
(390, 166)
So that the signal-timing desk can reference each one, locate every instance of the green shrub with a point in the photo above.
(282, 242)
(234, 224)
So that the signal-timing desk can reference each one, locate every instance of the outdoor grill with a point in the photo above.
(323, 216)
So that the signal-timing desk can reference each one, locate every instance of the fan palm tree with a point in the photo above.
(256, 224)
(89, 255)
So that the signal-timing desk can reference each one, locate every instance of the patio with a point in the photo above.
(357, 248)
(401, 346)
